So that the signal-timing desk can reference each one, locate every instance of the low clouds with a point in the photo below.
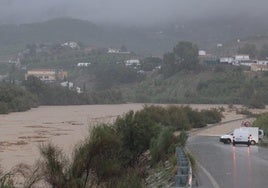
(126, 11)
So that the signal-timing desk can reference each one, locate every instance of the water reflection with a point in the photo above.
(239, 154)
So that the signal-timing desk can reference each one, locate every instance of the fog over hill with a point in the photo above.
(151, 26)
(138, 12)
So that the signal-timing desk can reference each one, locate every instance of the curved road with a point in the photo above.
(225, 166)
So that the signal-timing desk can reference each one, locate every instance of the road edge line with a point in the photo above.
(210, 177)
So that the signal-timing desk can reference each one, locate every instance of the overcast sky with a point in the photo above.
(126, 11)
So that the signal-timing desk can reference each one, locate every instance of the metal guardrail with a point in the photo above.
(184, 174)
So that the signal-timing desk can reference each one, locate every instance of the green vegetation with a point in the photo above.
(230, 85)
(262, 122)
(49, 94)
(183, 57)
(13, 99)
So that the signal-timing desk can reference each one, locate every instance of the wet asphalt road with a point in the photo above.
(226, 166)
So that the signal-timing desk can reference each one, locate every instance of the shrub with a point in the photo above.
(160, 146)
(211, 116)
(6, 180)
(262, 122)
(195, 118)
(3, 108)
(255, 102)
(178, 118)
(183, 138)
(14, 98)
(246, 112)
(137, 130)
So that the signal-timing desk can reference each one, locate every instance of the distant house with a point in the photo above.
(83, 64)
(117, 51)
(131, 62)
(78, 90)
(262, 62)
(228, 60)
(242, 57)
(259, 67)
(14, 61)
(113, 51)
(248, 62)
(67, 84)
(61, 75)
(46, 75)
(72, 45)
(202, 53)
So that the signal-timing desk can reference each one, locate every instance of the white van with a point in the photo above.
(256, 134)
(227, 138)
(241, 136)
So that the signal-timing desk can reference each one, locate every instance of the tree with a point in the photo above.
(186, 54)
(169, 64)
(183, 57)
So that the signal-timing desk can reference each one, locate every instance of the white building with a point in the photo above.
(78, 90)
(72, 45)
(113, 51)
(262, 62)
(132, 62)
(259, 67)
(202, 53)
(228, 60)
(83, 64)
(67, 84)
(242, 57)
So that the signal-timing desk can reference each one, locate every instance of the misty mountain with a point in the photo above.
(147, 40)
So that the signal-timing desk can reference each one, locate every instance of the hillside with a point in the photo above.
(214, 85)
(146, 40)
(14, 37)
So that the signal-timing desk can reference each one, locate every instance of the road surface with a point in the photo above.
(224, 166)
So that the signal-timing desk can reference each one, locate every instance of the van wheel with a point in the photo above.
(228, 141)
(252, 142)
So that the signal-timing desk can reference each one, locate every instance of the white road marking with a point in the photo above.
(210, 177)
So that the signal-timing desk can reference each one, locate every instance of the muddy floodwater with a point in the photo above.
(22, 133)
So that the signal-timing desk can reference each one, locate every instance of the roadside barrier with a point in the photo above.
(184, 174)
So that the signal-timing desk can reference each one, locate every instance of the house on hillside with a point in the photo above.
(116, 51)
(242, 57)
(259, 67)
(262, 62)
(47, 75)
(73, 45)
(134, 62)
(202, 53)
(67, 84)
(83, 64)
(227, 60)
(113, 51)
